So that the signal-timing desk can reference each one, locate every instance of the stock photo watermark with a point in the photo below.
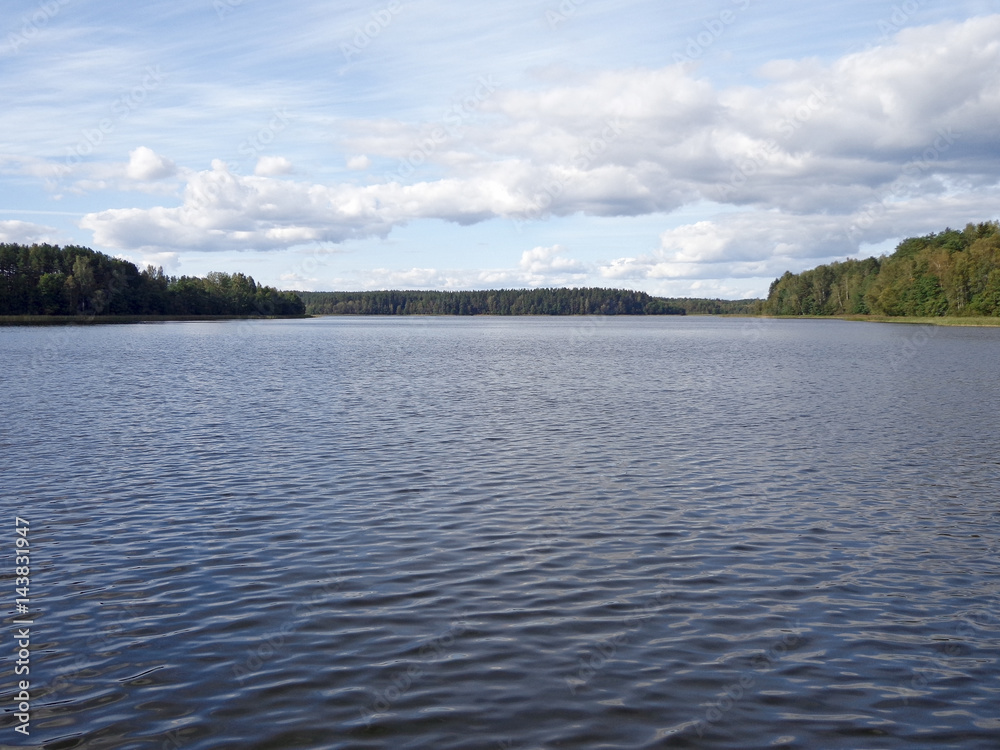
(223, 8)
(22, 632)
(901, 15)
(367, 32)
(32, 25)
(560, 14)
(447, 129)
(267, 647)
(123, 614)
(91, 138)
(715, 27)
(606, 650)
(254, 145)
(250, 148)
(750, 165)
(923, 162)
(541, 202)
(965, 630)
(911, 346)
(404, 679)
(741, 688)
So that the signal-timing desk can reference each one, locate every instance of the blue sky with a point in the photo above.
(695, 149)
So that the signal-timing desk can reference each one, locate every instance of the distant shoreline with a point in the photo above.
(969, 322)
(83, 320)
(86, 320)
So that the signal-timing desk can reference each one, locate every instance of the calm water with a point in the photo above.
(505, 533)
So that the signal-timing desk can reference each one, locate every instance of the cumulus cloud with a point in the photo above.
(222, 210)
(170, 262)
(538, 267)
(359, 162)
(146, 164)
(300, 282)
(270, 166)
(819, 159)
(26, 233)
(548, 260)
(744, 244)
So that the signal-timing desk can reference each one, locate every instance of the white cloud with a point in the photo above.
(301, 282)
(222, 210)
(538, 267)
(818, 158)
(359, 162)
(170, 262)
(146, 164)
(546, 260)
(26, 233)
(271, 166)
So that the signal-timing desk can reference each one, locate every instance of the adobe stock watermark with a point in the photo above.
(557, 16)
(448, 128)
(750, 165)
(403, 680)
(901, 15)
(894, 23)
(121, 108)
(266, 649)
(911, 346)
(967, 630)
(542, 201)
(715, 27)
(223, 8)
(309, 265)
(946, 138)
(740, 688)
(31, 26)
(598, 657)
(250, 148)
(108, 636)
(363, 35)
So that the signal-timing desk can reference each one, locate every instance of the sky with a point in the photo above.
(694, 149)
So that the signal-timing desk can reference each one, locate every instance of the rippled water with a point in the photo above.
(506, 533)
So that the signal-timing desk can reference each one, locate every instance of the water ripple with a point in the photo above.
(505, 534)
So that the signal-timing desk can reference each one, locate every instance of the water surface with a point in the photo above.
(507, 533)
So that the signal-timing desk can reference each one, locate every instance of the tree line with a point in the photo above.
(698, 306)
(73, 280)
(586, 301)
(948, 273)
(576, 301)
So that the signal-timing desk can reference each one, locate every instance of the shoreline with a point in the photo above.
(984, 321)
(83, 320)
(87, 320)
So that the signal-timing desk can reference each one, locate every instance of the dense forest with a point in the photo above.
(492, 302)
(586, 301)
(49, 280)
(948, 273)
(697, 306)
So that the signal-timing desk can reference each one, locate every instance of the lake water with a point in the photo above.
(505, 533)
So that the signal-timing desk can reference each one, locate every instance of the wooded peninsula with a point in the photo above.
(951, 273)
(46, 280)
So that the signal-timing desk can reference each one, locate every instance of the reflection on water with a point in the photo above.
(508, 533)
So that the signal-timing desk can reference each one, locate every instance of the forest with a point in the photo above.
(78, 281)
(954, 273)
(492, 302)
(585, 301)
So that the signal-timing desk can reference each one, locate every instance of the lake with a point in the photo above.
(505, 533)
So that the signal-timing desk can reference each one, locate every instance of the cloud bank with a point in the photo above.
(817, 158)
